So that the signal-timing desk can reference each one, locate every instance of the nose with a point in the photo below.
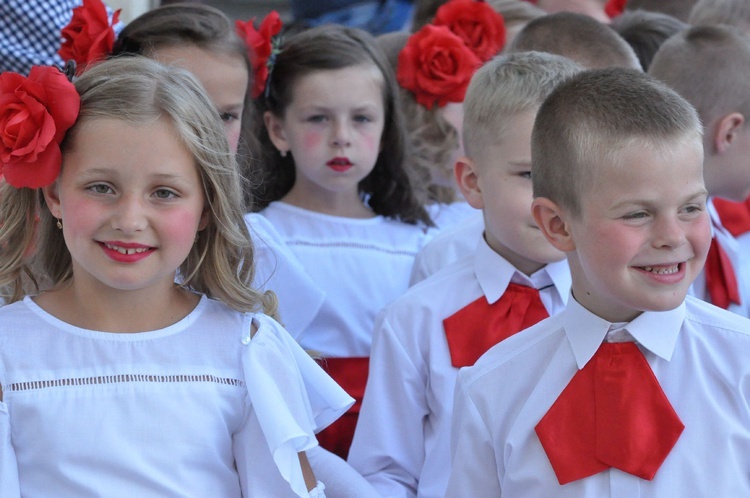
(669, 232)
(341, 134)
(129, 215)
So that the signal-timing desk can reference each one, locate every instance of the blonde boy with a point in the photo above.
(710, 67)
(618, 185)
(512, 279)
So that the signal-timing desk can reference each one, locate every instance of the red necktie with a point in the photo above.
(734, 216)
(721, 282)
(474, 329)
(613, 413)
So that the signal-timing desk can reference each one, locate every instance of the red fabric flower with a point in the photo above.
(477, 23)
(436, 65)
(260, 46)
(614, 8)
(35, 113)
(89, 36)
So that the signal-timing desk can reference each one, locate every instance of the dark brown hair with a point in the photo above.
(387, 189)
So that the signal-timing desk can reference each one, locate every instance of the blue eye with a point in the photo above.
(100, 188)
(163, 193)
(361, 118)
(525, 174)
(318, 118)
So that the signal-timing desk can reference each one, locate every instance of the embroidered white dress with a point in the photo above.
(199, 408)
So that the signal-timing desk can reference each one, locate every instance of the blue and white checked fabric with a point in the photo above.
(30, 32)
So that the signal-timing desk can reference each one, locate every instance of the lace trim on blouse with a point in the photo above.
(120, 379)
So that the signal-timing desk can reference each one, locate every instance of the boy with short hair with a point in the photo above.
(576, 36)
(634, 389)
(511, 280)
(710, 67)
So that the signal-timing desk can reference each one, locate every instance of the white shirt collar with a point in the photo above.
(494, 273)
(656, 331)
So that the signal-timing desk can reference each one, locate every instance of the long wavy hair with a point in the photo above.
(139, 90)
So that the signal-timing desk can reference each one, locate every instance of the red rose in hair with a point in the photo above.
(89, 36)
(614, 8)
(436, 65)
(477, 23)
(35, 113)
(260, 46)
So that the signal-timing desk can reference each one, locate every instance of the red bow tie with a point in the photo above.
(721, 281)
(613, 413)
(474, 329)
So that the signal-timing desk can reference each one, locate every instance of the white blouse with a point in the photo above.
(199, 408)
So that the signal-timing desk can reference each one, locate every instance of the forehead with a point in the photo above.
(224, 75)
(348, 83)
(646, 168)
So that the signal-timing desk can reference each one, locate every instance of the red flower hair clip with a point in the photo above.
(36, 111)
(436, 65)
(480, 26)
(89, 36)
(614, 8)
(262, 45)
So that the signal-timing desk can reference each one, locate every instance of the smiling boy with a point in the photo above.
(512, 279)
(634, 389)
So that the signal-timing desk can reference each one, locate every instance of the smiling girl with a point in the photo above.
(334, 189)
(114, 377)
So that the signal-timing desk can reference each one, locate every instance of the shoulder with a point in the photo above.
(710, 317)
(523, 355)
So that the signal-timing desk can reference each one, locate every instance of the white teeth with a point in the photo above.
(663, 270)
(130, 250)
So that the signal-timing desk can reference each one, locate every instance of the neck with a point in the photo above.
(110, 310)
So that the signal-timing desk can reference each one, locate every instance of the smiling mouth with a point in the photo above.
(127, 250)
(662, 270)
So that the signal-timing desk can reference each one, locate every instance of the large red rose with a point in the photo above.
(614, 8)
(260, 46)
(477, 23)
(436, 65)
(89, 36)
(35, 113)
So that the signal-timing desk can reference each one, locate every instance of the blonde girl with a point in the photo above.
(113, 376)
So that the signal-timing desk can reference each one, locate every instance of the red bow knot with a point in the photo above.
(721, 281)
(613, 413)
(474, 329)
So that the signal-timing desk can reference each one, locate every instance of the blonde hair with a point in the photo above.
(588, 120)
(432, 139)
(139, 90)
(709, 66)
(505, 87)
(578, 37)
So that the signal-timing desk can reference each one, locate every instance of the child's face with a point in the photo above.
(503, 192)
(332, 128)
(643, 233)
(225, 78)
(131, 202)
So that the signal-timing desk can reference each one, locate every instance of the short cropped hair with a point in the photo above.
(578, 37)
(676, 8)
(645, 32)
(732, 12)
(590, 118)
(710, 67)
(507, 86)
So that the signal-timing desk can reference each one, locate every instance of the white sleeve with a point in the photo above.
(388, 446)
(341, 480)
(473, 462)
(9, 485)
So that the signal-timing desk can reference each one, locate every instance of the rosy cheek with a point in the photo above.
(180, 226)
(312, 140)
(371, 142)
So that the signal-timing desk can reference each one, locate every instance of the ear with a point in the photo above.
(52, 199)
(550, 219)
(205, 218)
(467, 180)
(275, 128)
(727, 131)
